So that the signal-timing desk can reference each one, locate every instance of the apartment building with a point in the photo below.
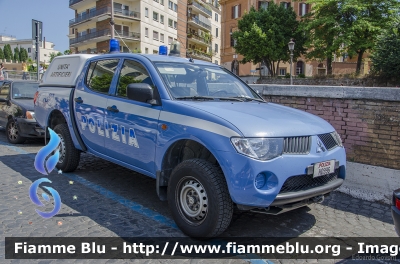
(45, 47)
(144, 25)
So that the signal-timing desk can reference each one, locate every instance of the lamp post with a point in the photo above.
(291, 48)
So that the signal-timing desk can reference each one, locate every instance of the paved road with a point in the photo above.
(103, 199)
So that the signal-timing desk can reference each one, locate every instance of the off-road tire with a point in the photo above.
(69, 155)
(13, 135)
(197, 183)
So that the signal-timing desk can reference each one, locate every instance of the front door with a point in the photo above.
(133, 125)
(90, 102)
(4, 94)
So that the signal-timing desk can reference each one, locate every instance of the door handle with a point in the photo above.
(113, 109)
(78, 100)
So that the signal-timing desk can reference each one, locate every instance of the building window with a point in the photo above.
(263, 5)
(299, 68)
(146, 50)
(155, 16)
(155, 51)
(282, 71)
(216, 32)
(172, 6)
(216, 62)
(155, 1)
(161, 19)
(216, 17)
(169, 40)
(155, 35)
(216, 48)
(162, 37)
(146, 32)
(175, 24)
(162, 2)
(236, 12)
(146, 12)
(285, 4)
(29, 50)
(170, 22)
(304, 9)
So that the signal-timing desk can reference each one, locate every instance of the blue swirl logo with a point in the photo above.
(44, 161)
(35, 199)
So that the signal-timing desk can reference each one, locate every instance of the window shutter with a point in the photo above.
(259, 5)
(307, 8)
(233, 12)
(240, 10)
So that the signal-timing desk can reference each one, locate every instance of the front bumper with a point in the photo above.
(240, 172)
(29, 128)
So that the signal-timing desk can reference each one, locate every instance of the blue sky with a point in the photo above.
(16, 19)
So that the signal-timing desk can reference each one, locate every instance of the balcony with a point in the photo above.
(103, 35)
(193, 20)
(103, 11)
(73, 2)
(197, 39)
(200, 7)
(196, 54)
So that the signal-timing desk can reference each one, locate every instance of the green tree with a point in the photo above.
(385, 57)
(263, 36)
(8, 53)
(351, 26)
(23, 54)
(53, 55)
(67, 52)
(1, 54)
(16, 54)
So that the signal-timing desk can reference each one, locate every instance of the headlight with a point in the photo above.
(30, 115)
(336, 136)
(259, 148)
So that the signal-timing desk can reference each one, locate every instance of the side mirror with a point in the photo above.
(141, 92)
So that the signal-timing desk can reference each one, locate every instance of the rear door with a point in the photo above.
(133, 124)
(90, 100)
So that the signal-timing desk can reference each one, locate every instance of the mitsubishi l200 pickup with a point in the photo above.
(211, 142)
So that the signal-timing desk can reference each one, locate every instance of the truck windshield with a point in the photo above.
(186, 81)
(24, 90)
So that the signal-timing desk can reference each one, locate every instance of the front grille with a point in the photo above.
(328, 140)
(306, 182)
(296, 145)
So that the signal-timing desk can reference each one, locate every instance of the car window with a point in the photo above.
(4, 90)
(132, 72)
(100, 74)
(20, 90)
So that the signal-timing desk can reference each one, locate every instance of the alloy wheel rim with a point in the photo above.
(12, 131)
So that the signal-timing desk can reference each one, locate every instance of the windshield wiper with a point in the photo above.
(195, 98)
(247, 99)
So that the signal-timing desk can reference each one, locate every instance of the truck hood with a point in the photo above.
(26, 104)
(256, 119)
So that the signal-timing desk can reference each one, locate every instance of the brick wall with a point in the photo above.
(370, 128)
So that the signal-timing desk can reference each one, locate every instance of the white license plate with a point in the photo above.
(324, 168)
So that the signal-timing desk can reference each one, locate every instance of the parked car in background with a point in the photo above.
(396, 210)
(16, 110)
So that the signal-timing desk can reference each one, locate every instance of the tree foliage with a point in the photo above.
(8, 53)
(67, 52)
(1, 54)
(16, 54)
(263, 36)
(23, 54)
(53, 55)
(350, 26)
(385, 57)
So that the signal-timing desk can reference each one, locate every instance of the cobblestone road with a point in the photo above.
(108, 200)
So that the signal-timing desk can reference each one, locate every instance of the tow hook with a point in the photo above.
(318, 199)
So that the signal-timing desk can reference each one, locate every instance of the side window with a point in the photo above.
(132, 72)
(100, 75)
(4, 91)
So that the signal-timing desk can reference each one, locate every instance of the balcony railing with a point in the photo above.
(73, 2)
(202, 8)
(127, 34)
(198, 22)
(192, 36)
(199, 54)
(104, 10)
(100, 33)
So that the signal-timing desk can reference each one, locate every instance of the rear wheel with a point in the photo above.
(199, 199)
(13, 135)
(69, 155)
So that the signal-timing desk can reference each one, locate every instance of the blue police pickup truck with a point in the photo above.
(210, 141)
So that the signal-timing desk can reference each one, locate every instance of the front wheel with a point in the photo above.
(199, 199)
(69, 155)
(13, 133)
